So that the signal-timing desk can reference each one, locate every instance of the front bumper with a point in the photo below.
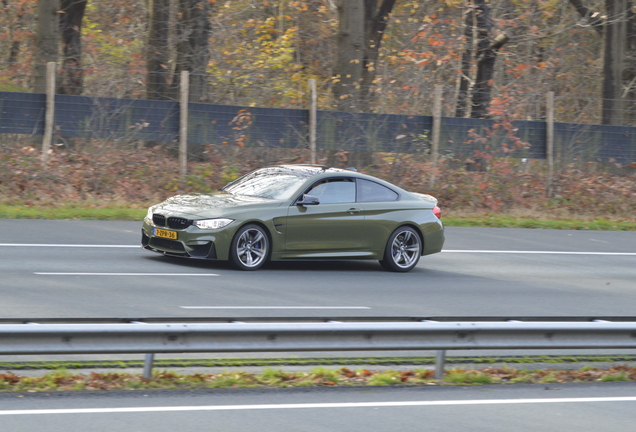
(206, 250)
(191, 242)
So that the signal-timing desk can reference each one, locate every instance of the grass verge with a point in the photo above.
(329, 361)
(121, 212)
(63, 380)
(72, 212)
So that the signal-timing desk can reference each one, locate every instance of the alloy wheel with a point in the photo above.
(403, 250)
(251, 248)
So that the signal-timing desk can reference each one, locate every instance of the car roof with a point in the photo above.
(313, 169)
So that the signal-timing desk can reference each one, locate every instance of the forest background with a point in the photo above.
(495, 59)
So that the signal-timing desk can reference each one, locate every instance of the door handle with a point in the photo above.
(353, 210)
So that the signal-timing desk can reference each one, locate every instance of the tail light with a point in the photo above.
(437, 212)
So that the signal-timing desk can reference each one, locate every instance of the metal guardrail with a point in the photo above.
(118, 336)
(158, 320)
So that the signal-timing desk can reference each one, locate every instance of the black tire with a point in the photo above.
(384, 265)
(249, 249)
(403, 250)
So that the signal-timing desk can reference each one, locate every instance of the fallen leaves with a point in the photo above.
(270, 378)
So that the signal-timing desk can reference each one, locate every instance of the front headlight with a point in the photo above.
(207, 224)
(149, 214)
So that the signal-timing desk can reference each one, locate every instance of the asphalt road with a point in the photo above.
(95, 269)
(521, 408)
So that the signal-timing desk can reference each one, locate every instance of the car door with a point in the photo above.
(382, 212)
(334, 227)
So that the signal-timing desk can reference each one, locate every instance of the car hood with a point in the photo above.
(211, 205)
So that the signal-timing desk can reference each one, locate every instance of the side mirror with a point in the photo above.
(308, 200)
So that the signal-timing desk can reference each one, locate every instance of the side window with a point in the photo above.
(335, 191)
(369, 191)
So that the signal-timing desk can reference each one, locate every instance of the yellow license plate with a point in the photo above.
(165, 233)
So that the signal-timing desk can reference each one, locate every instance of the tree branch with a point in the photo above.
(595, 19)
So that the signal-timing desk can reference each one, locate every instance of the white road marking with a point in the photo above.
(274, 307)
(67, 245)
(444, 251)
(541, 252)
(316, 405)
(123, 274)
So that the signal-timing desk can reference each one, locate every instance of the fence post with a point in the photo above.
(312, 119)
(49, 115)
(550, 141)
(437, 123)
(183, 124)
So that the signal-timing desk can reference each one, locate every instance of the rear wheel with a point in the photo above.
(403, 250)
(249, 248)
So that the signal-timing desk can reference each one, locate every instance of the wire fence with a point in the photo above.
(249, 112)
(235, 88)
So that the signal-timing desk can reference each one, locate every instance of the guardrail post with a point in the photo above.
(148, 363)
(440, 364)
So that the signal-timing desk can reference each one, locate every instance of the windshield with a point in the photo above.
(273, 183)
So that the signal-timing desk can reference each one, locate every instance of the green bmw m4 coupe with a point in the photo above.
(298, 212)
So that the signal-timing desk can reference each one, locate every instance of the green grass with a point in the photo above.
(468, 377)
(119, 212)
(272, 363)
(504, 221)
(63, 380)
(71, 212)
(614, 378)
(389, 377)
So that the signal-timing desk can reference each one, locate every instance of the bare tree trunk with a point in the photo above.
(629, 69)
(157, 58)
(361, 26)
(71, 78)
(619, 63)
(193, 51)
(14, 50)
(350, 46)
(615, 35)
(376, 20)
(486, 55)
(461, 109)
(46, 41)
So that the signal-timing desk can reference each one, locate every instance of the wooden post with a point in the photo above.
(49, 116)
(549, 141)
(183, 124)
(313, 100)
(437, 124)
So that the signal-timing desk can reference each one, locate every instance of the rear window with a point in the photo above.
(369, 191)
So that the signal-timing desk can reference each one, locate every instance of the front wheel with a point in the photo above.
(249, 248)
(403, 250)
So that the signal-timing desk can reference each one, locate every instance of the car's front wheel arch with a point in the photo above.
(234, 253)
